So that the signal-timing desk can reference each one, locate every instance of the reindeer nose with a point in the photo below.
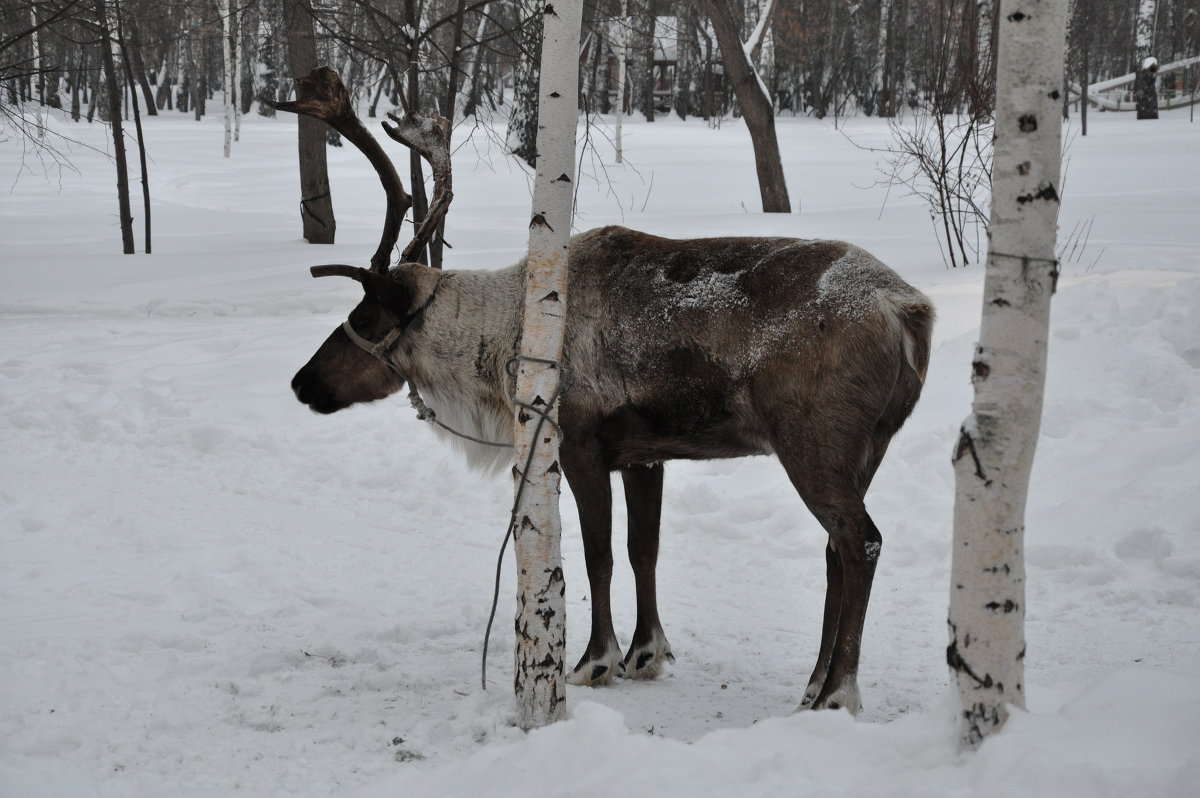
(305, 389)
(297, 387)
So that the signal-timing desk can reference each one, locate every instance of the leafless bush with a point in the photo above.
(946, 160)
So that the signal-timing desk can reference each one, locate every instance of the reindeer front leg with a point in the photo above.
(589, 481)
(643, 496)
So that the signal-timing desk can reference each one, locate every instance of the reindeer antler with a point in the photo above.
(430, 137)
(322, 95)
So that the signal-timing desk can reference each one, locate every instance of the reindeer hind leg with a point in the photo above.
(831, 478)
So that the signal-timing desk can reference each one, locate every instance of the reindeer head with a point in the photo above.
(355, 363)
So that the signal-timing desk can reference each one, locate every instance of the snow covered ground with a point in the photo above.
(206, 590)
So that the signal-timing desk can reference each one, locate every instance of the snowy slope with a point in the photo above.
(205, 590)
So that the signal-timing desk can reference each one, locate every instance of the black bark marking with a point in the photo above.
(1008, 606)
(554, 469)
(562, 178)
(556, 577)
(551, 297)
(1001, 302)
(539, 220)
(981, 369)
(959, 665)
(1046, 192)
(1027, 123)
(1016, 16)
(555, 95)
(967, 444)
(550, 10)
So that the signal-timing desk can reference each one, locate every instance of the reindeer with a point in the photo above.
(813, 351)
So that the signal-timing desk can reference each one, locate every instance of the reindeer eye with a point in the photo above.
(363, 318)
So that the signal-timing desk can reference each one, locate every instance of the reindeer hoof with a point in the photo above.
(646, 661)
(844, 697)
(597, 671)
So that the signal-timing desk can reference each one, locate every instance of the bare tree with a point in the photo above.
(523, 122)
(754, 101)
(1145, 88)
(639, 41)
(227, 75)
(994, 454)
(316, 204)
(137, 121)
(686, 58)
(113, 92)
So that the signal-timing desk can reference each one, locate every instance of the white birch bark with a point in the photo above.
(522, 123)
(226, 71)
(239, 61)
(540, 681)
(36, 41)
(1144, 32)
(474, 55)
(1145, 87)
(994, 455)
(881, 45)
(985, 12)
(622, 59)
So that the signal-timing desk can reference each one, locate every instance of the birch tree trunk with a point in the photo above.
(994, 455)
(471, 81)
(1144, 89)
(239, 59)
(39, 82)
(113, 95)
(622, 72)
(226, 70)
(879, 80)
(540, 681)
(523, 121)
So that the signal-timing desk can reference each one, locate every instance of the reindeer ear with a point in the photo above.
(379, 287)
(420, 282)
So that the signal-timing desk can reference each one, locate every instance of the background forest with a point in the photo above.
(459, 57)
